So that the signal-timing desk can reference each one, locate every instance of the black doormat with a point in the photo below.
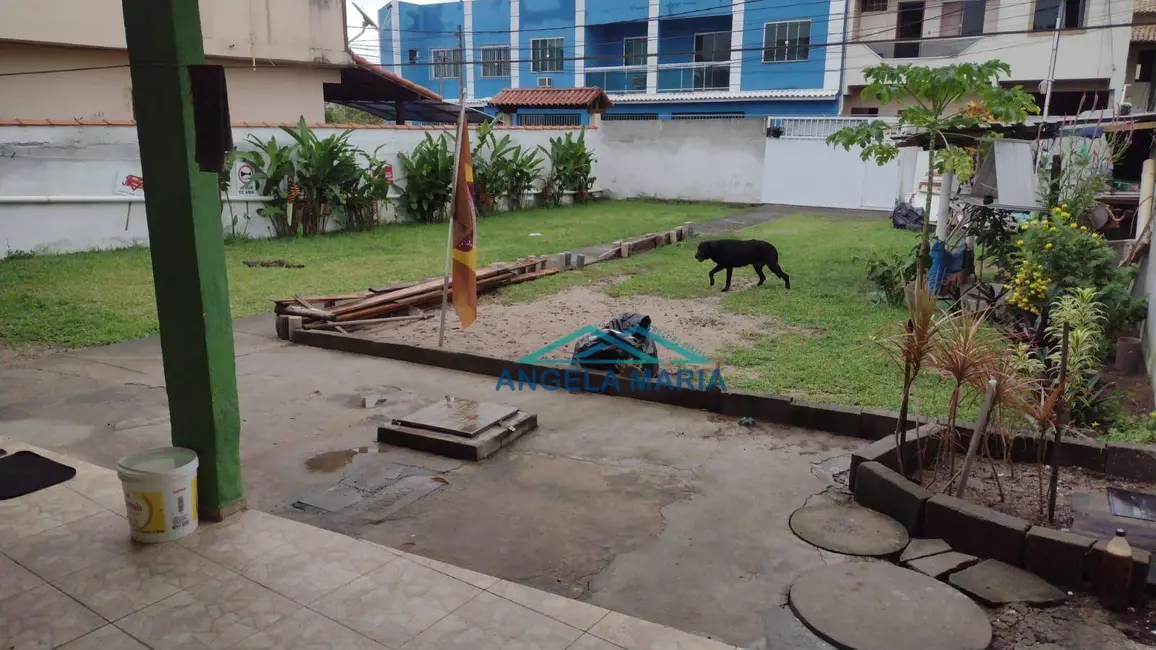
(25, 472)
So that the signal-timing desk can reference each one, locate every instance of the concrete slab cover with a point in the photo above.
(923, 548)
(942, 565)
(879, 606)
(460, 416)
(995, 583)
(849, 529)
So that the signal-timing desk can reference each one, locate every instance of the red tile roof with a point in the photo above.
(590, 98)
(17, 121)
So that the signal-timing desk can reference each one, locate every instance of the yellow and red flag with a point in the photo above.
(465, 257)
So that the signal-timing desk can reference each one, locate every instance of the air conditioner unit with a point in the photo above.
(545, 82)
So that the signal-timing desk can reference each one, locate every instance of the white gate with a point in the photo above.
(802, 169)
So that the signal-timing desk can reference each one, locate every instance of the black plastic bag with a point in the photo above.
(905, 216)
(624, 343)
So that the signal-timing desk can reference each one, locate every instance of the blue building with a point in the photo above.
(657, 59)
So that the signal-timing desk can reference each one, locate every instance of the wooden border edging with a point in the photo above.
(855, 422)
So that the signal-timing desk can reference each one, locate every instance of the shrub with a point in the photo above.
(429, 172)
(571, 165)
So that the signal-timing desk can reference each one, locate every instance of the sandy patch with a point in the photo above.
(512, 331)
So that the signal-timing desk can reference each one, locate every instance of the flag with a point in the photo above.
(465, 257)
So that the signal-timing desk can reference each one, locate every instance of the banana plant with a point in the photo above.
(428, 172)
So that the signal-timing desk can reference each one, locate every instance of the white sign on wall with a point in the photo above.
(129, 182)
(244, 183)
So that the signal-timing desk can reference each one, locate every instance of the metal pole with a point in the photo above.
(454, 183)
(1051, 79)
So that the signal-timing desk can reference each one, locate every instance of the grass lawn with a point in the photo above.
(826, 354)
(103, 297)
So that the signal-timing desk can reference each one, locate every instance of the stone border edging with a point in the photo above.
(1062, 558)
(850, 421)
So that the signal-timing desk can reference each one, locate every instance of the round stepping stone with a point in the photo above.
(850, 530)
(879, 606)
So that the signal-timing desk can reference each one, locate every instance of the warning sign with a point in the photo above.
(246, 183)
(129, 182)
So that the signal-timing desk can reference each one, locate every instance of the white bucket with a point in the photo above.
(160, 493)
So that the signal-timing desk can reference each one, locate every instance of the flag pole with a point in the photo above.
(454, 183)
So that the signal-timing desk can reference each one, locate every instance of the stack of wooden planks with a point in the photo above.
(397, 302)
(647, 242)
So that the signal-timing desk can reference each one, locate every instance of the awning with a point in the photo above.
(377, 91)
(427, 111)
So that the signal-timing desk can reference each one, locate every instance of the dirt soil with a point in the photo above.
(1135, 391)
(512, 331)
(1079, 624)
(1020, 483)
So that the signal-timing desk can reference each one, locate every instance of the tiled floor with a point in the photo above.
(71, 578)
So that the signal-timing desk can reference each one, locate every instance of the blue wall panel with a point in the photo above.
(546, 19)
(600, 12)
(696, 8)
(491, 27)
(803, 74)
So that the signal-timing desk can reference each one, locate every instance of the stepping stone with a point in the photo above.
(942, 565)
(995, 583)
(923, 548)
(879, 606)
(849, 529)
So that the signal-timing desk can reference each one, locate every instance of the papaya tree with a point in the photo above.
(934, 101)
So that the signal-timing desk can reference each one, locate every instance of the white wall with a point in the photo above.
(810, 172)
(699, 160)
(58, 184)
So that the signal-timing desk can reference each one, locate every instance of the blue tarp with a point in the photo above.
(943, 264)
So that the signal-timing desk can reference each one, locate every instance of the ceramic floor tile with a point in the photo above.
(492, 623)
(315, 563)
(43, 618)
(216, 613)
(99, 485)
(77, 545)
(571, 612)
(637, 634)
(108, 637)
(590, 642)
(15, 579)
(124, 584)
(42, 510)
(243, 538)
(307, 630)
(395, 603)
(479, 580)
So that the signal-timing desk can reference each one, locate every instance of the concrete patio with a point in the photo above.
(672, 516)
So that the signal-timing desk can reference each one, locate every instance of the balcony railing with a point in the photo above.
(672, 77)
(919, 49)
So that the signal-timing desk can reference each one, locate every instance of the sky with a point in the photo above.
(369, 38)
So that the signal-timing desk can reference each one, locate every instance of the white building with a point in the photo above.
(1091, 62)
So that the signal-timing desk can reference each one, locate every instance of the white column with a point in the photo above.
(738, 11)
(833, 62)
(515, 55)
(579, 43)
(652, 47)
(395, 35)
(468, 55)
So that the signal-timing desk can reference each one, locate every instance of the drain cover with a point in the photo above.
(463, 417)
(1134, 505)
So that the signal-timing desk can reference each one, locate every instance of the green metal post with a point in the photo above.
(187, 244)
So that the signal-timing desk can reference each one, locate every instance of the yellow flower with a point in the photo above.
(1064, 206)
(1074, 225)
(1048, 245)
(1053, 229)
(1020, 243)
(1095, 425)
(1024, 227)
(1083, 227)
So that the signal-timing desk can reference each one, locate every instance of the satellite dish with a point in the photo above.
(366, 22)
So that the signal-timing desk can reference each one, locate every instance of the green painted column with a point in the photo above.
(187, 245)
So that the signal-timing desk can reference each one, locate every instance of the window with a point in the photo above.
(445, 63)
(496, 61)
(862, 110)
(715, 46)
(413, 57)
(873, 5)
(1047, 11)
(787, 41)
(546, 55)
(634, 51)
(549, 119)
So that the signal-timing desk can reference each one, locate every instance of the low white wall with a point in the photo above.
(694, 160)
(811, 172)
(60, 185)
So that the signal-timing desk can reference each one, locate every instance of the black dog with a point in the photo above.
(731, 254)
